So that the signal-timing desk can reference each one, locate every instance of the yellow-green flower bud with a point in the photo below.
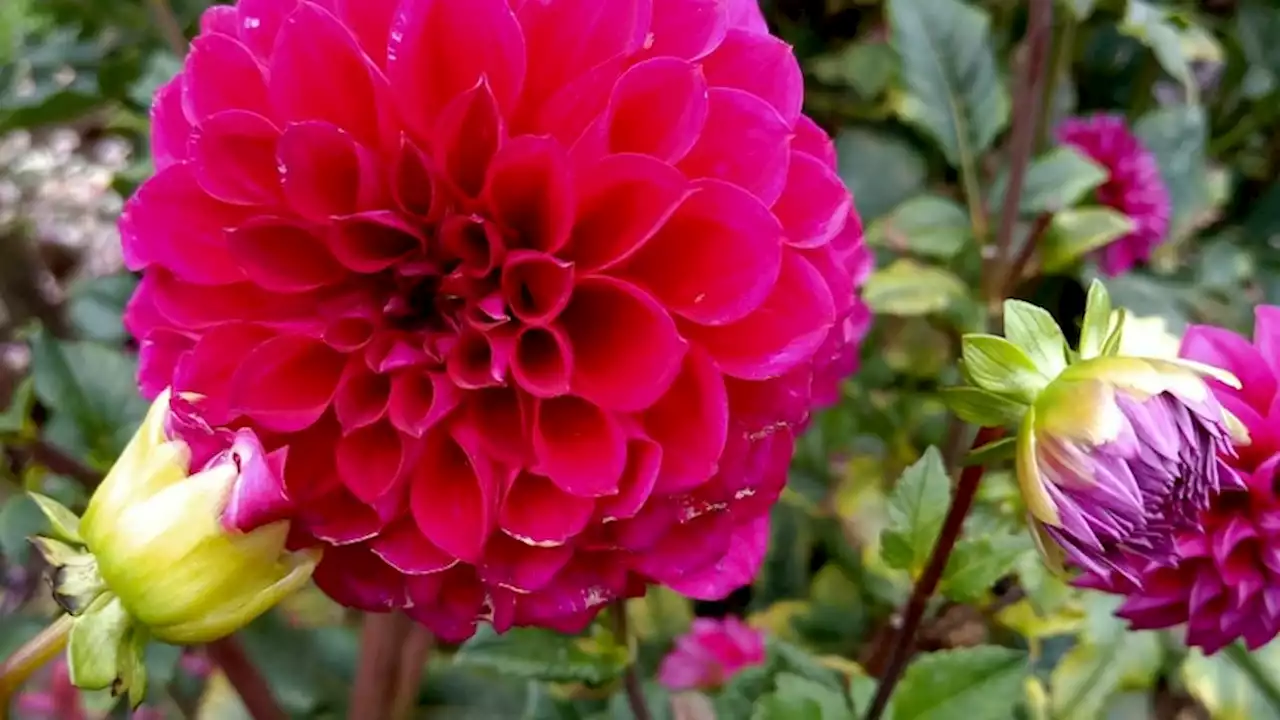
(184, 541)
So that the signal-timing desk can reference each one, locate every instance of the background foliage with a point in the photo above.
(918, 95)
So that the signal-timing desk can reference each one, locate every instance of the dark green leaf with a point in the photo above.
(907, 287)
(1258, 25)
(982, 407)
(1151, 25)
(952, 89)
(925, 225)
(1176, 136)
(979, 561)
(881, 170)
(95, 306)
(866, 67)
(980, 683)
(798, 698)
(1056, 180)
(536, 654)
(1076, 232)
(17, 416)
(20, 518)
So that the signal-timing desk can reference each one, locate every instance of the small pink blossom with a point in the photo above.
(711, 653)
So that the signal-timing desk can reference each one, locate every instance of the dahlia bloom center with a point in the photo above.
(534, 294)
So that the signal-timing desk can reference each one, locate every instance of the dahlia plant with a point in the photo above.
(516, 358)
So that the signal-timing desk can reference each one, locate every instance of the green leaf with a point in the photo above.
(1082, 9)
(1097, 321)
(92, 391)
(1033, 329)
(993, 363)
(992, 453)
(980, 683)
(1107, 658)
(917, 507)
(95, 647)
(906, 287)
(20, 518)
(925, 225)
(17, 417)
(1228, 688)
(1177, 135)
(795, 660)
(866, 67)
(1258, 26)
(881, 170)
(95, 306)
(1150, 25)
(952, 89)
(743, 691)
(63, 523)
(1054, 181)
(535, 654)
(983, 407)
(979, 561)
(1076, 232)
(798, 698)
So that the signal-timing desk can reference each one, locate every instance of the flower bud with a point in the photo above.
(167, 548)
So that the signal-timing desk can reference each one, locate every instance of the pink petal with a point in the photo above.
(467, 135)
(210, 366)
(479, 360)
(690, 422)
(171, 222)
(282, 256)
(196, 306)
(568, 113)
(442, 48)
(529, 192)
(319, 73)
(512, 564)
(716, 259)
(349, 334)
(658, 108)
(159, 353)
(626, 351)
(1266, 335)
(414, 185)
(644, 457)
(220, 19)
(447, 603)
(543, 361)
(452, 496)
(169, 125)
(497, 420)
(370, 460)
(580, 447)
(536, 287)
(325, 172)
(688, 29)
(688, 547)
(476, 242)
(233, 153)
(745, 14)
(363, 395)
(257, 498)
(260, 23)
(622, 201)
(536, 511)
(736, 569)
(370, 21)
(746, 142)
(373, 241)
(403, 546)
(782, 333)
(762, 65)
(1226, 350)
(812, 139)
(419, 401)
(309, 473)
(814, 204)
(356, 578)
(287, 382)
(221, 74)
(570, 37)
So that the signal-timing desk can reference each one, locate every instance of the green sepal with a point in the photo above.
(98, 639)
(1111, 346)
(56, 552)
(992, 453)
(1034, 330)
(73, 574)
(1096, 327)
(983, 407)
(63, 524)
(132, 679)
(995, 364)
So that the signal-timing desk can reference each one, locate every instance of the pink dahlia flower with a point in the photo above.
(535, 292)
(712, 652)
(51, 696)
(1224, 583)
(1133, 186)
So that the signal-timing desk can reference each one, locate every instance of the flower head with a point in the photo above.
(182, 542)
(1119, 454)
(711, 653)
(1133, 187)
(1224, 582)
(536, 292)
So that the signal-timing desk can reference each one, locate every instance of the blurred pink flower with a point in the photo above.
(535, 293)
(1224, 583)
(1133, 186)
(712, 652)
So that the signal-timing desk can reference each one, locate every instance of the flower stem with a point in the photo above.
(635, 692)
(925, 586)
(1262, 678)
(1026, 113)
(413, 656)
(245, 678)
(377, 669)
(33, 655)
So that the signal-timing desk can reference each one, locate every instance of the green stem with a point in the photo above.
(635, 691)
(1064, 51)
(32, 656)
(1263, 678)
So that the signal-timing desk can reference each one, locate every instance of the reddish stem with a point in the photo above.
(904, 641)
(245, 678)
(377, 671)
